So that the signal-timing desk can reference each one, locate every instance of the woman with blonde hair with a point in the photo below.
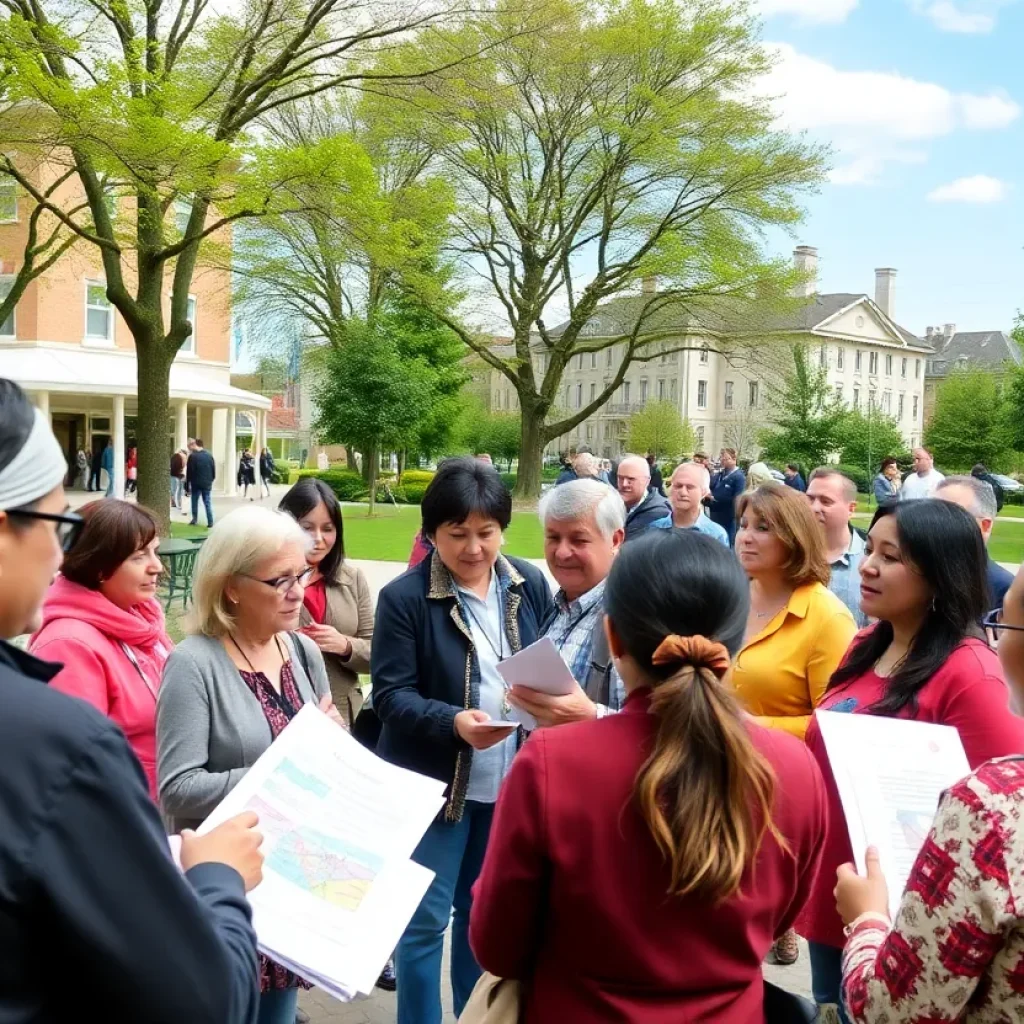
(717, 818)
(797, 630)
(758, 475)
(231, 687)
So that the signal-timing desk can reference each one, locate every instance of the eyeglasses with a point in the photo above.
(282, 584)
(69, 524)
(992, 621)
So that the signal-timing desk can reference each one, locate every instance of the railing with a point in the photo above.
(621, 408)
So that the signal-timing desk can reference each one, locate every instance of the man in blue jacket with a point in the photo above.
(200, 472)
(726, 486)
(107, 463)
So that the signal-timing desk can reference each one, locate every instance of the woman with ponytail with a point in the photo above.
(641, 865)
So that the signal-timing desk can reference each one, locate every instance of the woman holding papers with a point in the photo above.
(797, 629)
(441, 631)
(642, 864)
(231, 687)
(923, 579)
(96, 919)
(337, 609)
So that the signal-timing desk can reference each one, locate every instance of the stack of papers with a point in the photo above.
(890, 773)
(538, 667)
(339, 827)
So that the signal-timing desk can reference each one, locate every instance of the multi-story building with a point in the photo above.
(69, 348)
(870, 360)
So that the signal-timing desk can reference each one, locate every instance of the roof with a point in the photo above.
(726, 316)
(978, 349)
(73, 369)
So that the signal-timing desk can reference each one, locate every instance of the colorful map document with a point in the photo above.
(339, 827)
(890, 773)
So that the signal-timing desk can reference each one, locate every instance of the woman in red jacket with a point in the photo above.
(923, 578)
(103, 622)
(641, 865)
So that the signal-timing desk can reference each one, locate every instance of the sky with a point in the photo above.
(922, 102)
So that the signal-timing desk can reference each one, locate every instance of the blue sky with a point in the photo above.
(923, 103)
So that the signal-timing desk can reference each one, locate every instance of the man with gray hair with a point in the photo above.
(584, 527)
(977, 497)
(643, 506)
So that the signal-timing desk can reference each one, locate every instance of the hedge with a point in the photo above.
(858, 475)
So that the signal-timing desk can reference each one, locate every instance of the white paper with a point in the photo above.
(539, 667)
(339, 826)
(890, 773)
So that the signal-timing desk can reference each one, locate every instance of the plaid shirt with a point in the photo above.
(845, 579)
(572, 632)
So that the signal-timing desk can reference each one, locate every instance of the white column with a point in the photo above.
(181, 428)
(43, 403)
(119, 451)
(218, 449)
(261, 430)
(230, 478)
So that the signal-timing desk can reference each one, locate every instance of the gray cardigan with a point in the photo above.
(210, 729)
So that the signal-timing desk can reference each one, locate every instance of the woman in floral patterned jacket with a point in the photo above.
(956, 949)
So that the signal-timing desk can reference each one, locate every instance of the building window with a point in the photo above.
(917, 369)
(579, 396)
(871, 399)
(579, 361)
(858, 359)
(99, 317)
(888, 366)
(7, 328)
(840, 357)
(873, 363)
(752, 394)
(609, 356)
(856, 398)
(702, 394)
(899, 404)
(593, 391)
(643, 390)
(914, 414)
(568, 395)
(189, 346)
(903, 369)
(728, 394)
(703, 353)
(625, 392)
(700, 437)
(506, 398)
(590, 431)
(823, 355)
(887, 402)
(839, 392)
(661, 389)
(593, 360)
(8, 201)
(672, 389)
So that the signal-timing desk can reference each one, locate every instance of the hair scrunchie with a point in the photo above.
(698, 651)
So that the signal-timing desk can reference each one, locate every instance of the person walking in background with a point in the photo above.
(833, 499)
(200, 473)
(178, 460)
(686, 491)
(797, 630)
(441, 630)
(232, 687)
(657, 483)
(82, 465)
(246, 473)
(925, 478)
(85, 866)
(107, 462)
(793, 477)
(981, 473)
(95, 469)
(886, 485)
(267, 471)
(726, 486)
(923, 579)
(641, 865)
(103, 623)
(643, 505)
(131, 471)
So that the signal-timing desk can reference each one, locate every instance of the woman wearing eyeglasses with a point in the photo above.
(231, 687)
(102, 621)
(85, 868)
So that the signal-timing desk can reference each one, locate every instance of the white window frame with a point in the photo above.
(873, 364)
(14, 312)
(915, 407)
(643, 390)
(8, 186)
(888, 365)
(917, 369)
(96, 339)
(840, 357)
(704, 354)
(700, 437)
(856, 398)
(190, 347)
(727, 395)
(625, 391)
(579, 394)
(752, 394)
(702, 394)
(858, 361)
(899, 415)
(593, 391)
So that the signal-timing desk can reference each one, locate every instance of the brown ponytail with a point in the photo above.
(705, 792)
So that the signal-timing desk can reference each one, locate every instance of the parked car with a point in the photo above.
(1008, 484)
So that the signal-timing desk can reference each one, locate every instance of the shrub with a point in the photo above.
(509, 480)
(414, 492)
(858, 475)
(417, 476)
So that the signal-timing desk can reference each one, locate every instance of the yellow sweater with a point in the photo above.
(780, 675)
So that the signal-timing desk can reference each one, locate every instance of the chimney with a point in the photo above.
(928, 332)
(885, 291)
(649, 285)
(805, 259)
(948, 330)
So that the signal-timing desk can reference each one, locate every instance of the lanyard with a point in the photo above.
(130, 654)
(499, 647)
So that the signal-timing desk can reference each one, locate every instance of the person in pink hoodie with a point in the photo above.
(102, 621)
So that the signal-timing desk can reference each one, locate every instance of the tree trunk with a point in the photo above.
(371, 462)
(350, 458)
(403, 455)
(154, 382)
(531, 458)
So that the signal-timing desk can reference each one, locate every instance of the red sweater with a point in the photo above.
(967, 692)
(572, 894)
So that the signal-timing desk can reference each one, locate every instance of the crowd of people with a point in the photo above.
(671, 823)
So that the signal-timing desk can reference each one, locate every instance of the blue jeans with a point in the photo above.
(207, 504)
(455, 853)
(110, 482)
(278, 1006)
(177, 489)
(827, 976)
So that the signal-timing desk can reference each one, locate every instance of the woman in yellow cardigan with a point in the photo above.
(797, 629)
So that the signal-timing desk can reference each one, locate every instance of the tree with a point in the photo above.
(868, 438)
(971, 422)
(162, 103)
(742, 431)
(479, 430)
(658, 429)
(807, 418)
(618, 142)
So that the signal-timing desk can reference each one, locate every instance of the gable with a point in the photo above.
(862, 321)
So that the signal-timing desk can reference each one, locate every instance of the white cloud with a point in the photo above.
(969, 17)
(820, 11)
(977, 189)
(874, 118)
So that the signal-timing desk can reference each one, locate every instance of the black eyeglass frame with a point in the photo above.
(990, 622)
(301, 579)
(72, 522)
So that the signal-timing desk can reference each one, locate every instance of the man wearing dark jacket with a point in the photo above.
(643, 506)
(200, 473)
(979, 472)
(657, 483)
(726, 486)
